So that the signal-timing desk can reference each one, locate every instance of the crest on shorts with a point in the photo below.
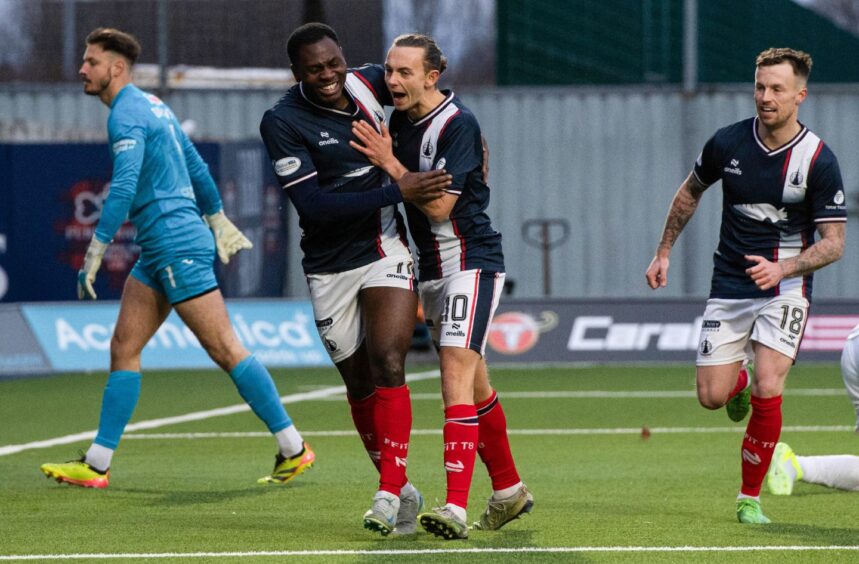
(706, 347)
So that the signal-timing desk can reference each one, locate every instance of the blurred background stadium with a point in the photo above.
(594, 111)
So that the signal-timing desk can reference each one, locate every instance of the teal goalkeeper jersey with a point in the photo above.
(159, 180)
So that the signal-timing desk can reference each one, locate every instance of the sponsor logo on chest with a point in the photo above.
(327, 139)
(734, 168)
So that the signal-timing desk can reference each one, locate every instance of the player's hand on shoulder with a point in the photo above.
(377, 147)
(657, 272)
(422, 187)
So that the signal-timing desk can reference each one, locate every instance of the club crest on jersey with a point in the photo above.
(838, 198)
(428, 150)
(796, 178)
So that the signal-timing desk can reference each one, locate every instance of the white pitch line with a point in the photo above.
(429, 551)
(524, 432)
(613, 394)
(195, 416)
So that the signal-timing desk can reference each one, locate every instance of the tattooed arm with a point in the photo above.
(827, 249)
(681, 211)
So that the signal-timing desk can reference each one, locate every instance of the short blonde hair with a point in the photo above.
(799, 60)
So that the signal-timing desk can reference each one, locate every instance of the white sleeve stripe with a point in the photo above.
(297, 180)
(701, 181)
(830, 220)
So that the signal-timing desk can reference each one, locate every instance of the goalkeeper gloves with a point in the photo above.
(228, 238)
(92, 262)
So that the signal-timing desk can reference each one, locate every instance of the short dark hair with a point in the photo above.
(434, 59)
(119, 42)
(308, 34)
(799, 60)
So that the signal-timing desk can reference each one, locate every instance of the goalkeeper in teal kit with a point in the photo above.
(164, 188)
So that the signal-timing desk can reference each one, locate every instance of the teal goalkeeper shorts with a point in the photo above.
(181, 278)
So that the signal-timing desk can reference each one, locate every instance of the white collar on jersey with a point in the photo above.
(437, 110)
(326, 108)
(771, 152)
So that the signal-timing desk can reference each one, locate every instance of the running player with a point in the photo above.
(461, 272)
(356, 258)
(161, 183)
(780, 183)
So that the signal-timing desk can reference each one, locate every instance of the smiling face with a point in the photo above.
(321, 69)
(778, 94)
(410, 84)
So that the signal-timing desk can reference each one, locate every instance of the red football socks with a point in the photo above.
(393, 418)
(759, 442)
(493, 445)
(460, 448)
(363, 416)
(742, 382)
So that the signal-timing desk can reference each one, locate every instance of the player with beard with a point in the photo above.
(162, 185)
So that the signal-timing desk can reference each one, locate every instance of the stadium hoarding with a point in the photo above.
(20, 353)
(37, 338)
(76, 337)
(630, 331)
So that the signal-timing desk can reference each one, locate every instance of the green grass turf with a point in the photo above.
(616, 490)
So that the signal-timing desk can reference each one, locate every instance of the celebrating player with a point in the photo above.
(356, 259)
(780, 183)
(162, 184)
(461, 272)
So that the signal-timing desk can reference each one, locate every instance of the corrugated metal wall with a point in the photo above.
(606, 160)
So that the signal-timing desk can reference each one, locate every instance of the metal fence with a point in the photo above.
(606, 160)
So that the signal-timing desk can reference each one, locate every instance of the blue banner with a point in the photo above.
(77, 336)
(51, 201)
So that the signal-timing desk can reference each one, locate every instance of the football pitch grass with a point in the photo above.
(183, 488)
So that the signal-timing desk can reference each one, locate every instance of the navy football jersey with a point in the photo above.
(449, 137)
(310, 143)
(772, 199)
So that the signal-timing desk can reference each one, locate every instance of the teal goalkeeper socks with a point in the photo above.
(117, 405)
(256, 387)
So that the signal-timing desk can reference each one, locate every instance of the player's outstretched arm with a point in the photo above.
(682, 209)
(826, 250)
(92, 262)
(228, 239)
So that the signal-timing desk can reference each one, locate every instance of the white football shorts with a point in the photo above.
(459, 307)
(730, 326)
(335, 300)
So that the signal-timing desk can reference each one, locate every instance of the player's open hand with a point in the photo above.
(376, 146)
(228, 239)
(657, 272)
(423, 187)
(766, 274)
